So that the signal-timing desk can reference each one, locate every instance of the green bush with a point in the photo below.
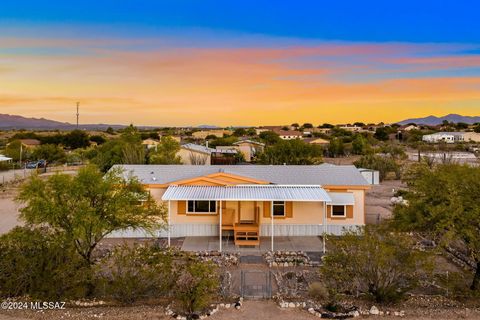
(4, 166)
(37, 263)
(137, 273)
(318, 291)
(197, 284)
(384, 165)
(375, 262)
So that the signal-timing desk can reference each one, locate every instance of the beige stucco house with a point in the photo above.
(150, 143)
(195, 154)
(248, 148)
(203, 134)
(250, 201)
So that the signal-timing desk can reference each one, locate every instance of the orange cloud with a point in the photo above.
(230, 86)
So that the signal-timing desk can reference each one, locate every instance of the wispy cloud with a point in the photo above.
(154, 81)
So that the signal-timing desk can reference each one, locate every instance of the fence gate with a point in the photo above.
(256, 284)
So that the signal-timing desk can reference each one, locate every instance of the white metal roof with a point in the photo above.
(3, 158)
(342, 198)
(248, 193)
(324, 174)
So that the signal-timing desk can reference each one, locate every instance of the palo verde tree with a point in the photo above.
(443, 201)
(87, 207)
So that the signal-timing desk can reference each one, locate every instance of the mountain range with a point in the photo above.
(433, 120)
(8, 121)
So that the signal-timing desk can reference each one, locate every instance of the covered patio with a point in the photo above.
(248, 234)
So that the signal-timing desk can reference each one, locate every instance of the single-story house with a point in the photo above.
(249, 201)
(203, 134)
(409, 127)
(195, 154)
(351, 128)
(29, 143)
(288, 134)
(150, 143)
(248, 148)
(4, 158)
(451, 137)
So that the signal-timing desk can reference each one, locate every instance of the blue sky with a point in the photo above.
(404, 21)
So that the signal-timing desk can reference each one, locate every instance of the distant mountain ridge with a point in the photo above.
(433, 120)
(8, 121)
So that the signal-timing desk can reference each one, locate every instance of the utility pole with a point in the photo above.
(78, 114)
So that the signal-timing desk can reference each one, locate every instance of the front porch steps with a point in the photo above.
(246, 234)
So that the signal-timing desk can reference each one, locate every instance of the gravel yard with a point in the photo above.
(254, 310)
(377, 201)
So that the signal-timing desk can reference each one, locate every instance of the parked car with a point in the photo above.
(36, 164)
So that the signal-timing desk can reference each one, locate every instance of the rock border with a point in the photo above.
(289, 259)
(214, 309)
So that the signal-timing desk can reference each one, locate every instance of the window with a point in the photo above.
(338, 211)
(201, 206)
(278, 208)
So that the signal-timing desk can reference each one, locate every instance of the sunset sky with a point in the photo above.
(167, 63)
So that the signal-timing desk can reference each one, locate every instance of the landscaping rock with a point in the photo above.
(374, 311)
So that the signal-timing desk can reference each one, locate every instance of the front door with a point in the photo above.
(247, 211)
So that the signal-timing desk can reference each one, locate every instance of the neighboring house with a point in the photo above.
(288, 134)
(321, 130)
(248, 148)
(409, 127)
(351, 128)
(150, 143)
(194, 154)
(5, 159)
(317, 141)
(260, 130)
(452, 137)
(203, 134)
(250, 201)
(29, 143)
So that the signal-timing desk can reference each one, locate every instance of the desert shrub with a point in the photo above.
(318, 291)
(375, 262)
(37, 263)
(132, 274)
(443, 202)
(197, 284)
(4, 166)
(384, 165)
(49, 152)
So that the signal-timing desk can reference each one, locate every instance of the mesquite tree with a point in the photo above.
(444, 200)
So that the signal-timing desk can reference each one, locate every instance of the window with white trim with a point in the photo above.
(278, 208)
(339, 211)
(201, 206)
